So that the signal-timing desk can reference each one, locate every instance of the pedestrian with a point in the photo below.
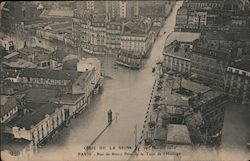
(116, 116)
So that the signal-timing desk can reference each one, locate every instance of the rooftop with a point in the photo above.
(194, 87)
(171, 109)
(160, 133)
(20, 63)
(16, 145)
(175, 100)
(38, 95)
(60, 27)
(51, 74)
(178, 134)
(177, 51)
(114, 23)
(183, 37)
(212, 46)
(38, 115)
(99, 18)
(188, 85)
(138, 26)
(226, 36)
(193, 119)
(7, 104)
(33, 50)
(5, 139)
(58, 55)
(206, 97)
(4, 100)
(57, 13)
(182, 100)
(242, 64)
(11, 55)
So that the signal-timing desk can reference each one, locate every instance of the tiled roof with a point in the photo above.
(16, 145)
(226, 36)
(178, 134)
(193, 119)
(178, 51)
(100, 18)
(160, 133)
(60, 26)
(207, 96)
(51, 74)
(217, 51)
(37, 116)
(173, 110)
(20, 63)
(38, 95)
(11, 55)
(58, 55)
(187, 37)
(138, 26)
(58, 13)
(194, 87)
(33, 50)
(5, 139)
(243, 64)
(7, 104)
(175, 100)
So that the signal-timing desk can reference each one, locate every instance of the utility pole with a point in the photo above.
(180, 81)
(135, 135)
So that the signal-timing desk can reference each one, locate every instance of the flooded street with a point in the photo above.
(127, 94)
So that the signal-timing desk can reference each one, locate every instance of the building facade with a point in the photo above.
(138, 37)
(177, 58)
(122, 9)
(39, 125)
(237, 81)
(8, 108)
(182, 16)
(100, 35)
(211, 105)
(113, 33)
(200, 4)
(67, 81)
(90, 33)
(209, 62)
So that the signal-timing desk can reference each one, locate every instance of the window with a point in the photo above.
(38, 134)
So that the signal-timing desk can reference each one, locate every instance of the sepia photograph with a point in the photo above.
(125, 80)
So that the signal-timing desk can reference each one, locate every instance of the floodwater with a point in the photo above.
(127, 94)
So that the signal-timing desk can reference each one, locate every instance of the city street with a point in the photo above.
(127, 94)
